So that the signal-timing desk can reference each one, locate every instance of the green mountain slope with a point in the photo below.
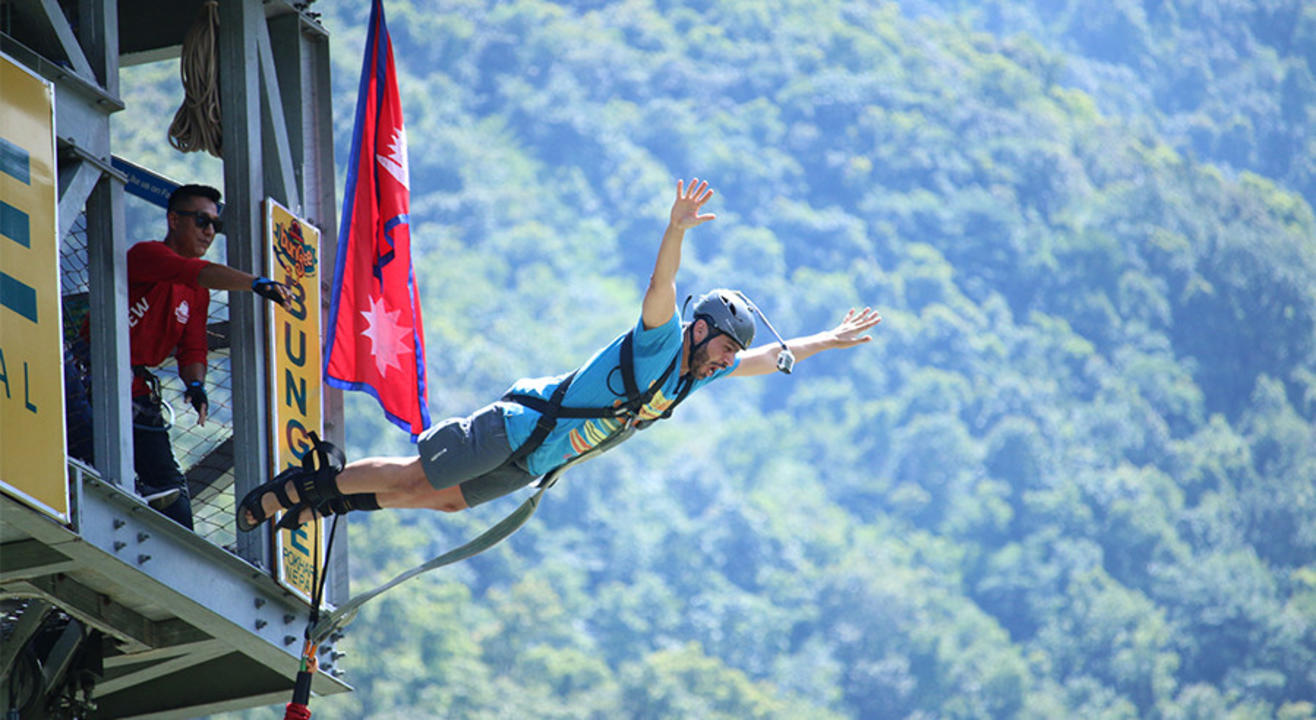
(1071, 477)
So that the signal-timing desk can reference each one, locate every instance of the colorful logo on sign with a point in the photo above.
(296, 256)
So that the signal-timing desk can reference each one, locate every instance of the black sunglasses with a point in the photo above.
(203, 220)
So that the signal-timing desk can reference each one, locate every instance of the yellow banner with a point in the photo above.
(32, 464)
(293, 252)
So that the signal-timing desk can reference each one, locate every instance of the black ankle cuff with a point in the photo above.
(362, 501)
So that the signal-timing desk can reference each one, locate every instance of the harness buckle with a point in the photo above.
(152, 382)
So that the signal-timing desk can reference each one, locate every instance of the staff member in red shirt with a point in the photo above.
(168, 301)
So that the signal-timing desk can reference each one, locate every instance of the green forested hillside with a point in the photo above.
(1231, 82)
(1072, 477)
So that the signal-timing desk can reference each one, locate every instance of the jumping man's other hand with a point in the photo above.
(850, 331)
(685, 211)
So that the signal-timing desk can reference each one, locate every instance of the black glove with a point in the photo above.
(196, 394)
(270, 290)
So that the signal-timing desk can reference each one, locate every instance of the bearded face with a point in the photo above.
(713, 356)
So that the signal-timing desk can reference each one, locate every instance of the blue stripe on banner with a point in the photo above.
(14, 225)
(19, 297)
(14, 162)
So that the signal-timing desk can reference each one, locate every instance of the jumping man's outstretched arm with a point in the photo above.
(849, 333)
(660, 298)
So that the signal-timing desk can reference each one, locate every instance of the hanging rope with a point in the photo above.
(197, 123)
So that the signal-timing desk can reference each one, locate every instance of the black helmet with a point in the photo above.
(727, 312)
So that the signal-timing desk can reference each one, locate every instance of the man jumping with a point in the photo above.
(541, 424)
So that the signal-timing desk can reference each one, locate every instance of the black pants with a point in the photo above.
(77, 410)
(153, 458)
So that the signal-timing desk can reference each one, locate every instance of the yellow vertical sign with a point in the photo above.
(293, 252)
(31, 380)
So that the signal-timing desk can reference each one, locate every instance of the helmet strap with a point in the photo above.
(695, 346)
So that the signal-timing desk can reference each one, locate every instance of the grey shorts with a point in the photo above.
(472, 452)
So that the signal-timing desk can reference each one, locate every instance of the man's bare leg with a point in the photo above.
(396, 483)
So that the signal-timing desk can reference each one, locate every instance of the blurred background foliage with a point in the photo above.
(1073, 474)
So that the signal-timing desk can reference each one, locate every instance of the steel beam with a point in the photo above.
(88, 606)
(98, 31)
(56, 73)
(240, 21)
(157, 654)
(76, 181)
(108, 292)
(195, 654)
(280, 180)
(145, 555)
(206, 709)
(68, 42)
(57, 659)
(31, 558)
(322, 211)
(28, 624)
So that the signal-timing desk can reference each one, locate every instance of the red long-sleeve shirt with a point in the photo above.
(167, 309)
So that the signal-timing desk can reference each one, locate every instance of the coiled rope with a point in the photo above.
(197, 125)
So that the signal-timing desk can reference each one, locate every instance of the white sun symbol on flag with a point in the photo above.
(387, 339)
(395, 162)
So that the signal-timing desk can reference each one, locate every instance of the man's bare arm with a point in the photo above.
(762, 360)
(660, 297)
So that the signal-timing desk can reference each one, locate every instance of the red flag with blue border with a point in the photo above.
(376, 340)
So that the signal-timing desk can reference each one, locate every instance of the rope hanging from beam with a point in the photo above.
(197, 123)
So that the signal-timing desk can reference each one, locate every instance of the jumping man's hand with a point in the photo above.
(685, 211)
(853, 326)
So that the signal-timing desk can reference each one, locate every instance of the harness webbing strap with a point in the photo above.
(547, 419)
(637, 399)
(152, 382)
(633, 399)
(552, 409)
(687, 384)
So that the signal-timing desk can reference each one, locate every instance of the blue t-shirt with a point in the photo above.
(599, 384)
